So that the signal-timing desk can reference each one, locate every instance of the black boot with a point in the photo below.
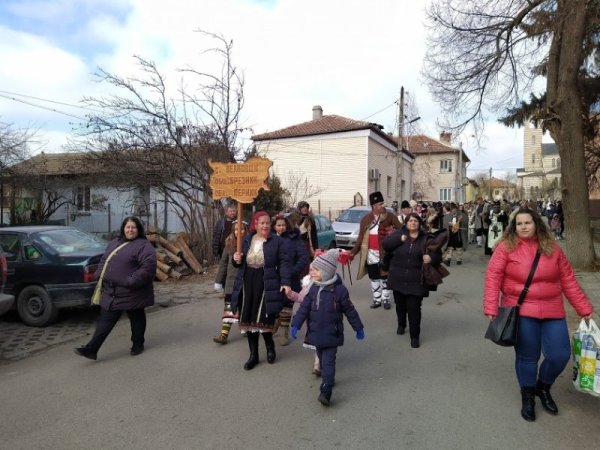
(543, 392)
(325, 394)
(528, 402)
(253, 344)
(270, 345)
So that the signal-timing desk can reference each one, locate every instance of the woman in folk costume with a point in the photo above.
(497, 221)
(262, 281)
(374, 227)
(230, 271)
(303, 219)
(454, 221)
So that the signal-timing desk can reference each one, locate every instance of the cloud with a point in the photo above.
(349, 56)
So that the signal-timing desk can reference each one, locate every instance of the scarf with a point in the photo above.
(322, 285)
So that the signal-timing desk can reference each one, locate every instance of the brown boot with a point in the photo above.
(220, 339)
(284, 339)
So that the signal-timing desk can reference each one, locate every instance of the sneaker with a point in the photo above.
(387, 305)
(218, 287)
(324, 399)
(375, 305)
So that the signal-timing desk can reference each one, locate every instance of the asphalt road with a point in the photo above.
(458, 391)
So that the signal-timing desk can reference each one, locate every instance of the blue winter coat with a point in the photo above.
(326, 319)
(128, 279)
(297, 255)
(277, 273)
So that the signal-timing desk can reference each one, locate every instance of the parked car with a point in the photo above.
(325, 232)
(347, 225)
(49, 268)
(6, 300)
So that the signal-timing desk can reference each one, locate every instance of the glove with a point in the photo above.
(294, 332)
(360, 334)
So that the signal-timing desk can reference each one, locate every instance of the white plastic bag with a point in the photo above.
(586, 358)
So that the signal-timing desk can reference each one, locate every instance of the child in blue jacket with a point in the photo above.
(326, 301)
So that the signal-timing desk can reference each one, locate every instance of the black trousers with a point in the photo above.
(409, 305)
(108, 320)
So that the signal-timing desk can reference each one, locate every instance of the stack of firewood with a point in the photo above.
(174, 258)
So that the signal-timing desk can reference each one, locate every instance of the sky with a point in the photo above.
(349, 56)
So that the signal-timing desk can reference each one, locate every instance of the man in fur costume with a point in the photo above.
(374, 227)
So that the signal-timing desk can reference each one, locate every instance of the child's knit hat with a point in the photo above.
(327, 264)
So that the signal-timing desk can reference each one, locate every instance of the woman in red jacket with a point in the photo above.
(542, 326)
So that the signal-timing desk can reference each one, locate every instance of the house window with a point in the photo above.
(553, 162)
(83, 198)
(533, 140)
(558, 162)
(445, 194)
(142, 202)
(446, 165)
(388, 187)
(533, 158)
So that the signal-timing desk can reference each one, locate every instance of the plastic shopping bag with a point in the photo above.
(586, 358)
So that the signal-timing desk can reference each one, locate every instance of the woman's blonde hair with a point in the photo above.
(543, 236)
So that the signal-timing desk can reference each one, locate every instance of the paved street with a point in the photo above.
(458, 391)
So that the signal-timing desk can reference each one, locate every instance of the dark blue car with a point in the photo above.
(49, 268)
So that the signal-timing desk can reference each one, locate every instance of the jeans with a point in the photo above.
(549, 337)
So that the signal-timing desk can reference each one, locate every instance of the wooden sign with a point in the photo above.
(240, 182)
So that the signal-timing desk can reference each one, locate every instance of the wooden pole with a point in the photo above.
(239, 228)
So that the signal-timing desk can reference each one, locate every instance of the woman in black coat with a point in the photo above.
(299, 260)
(261, 285)
(406, 274)
(127, 269)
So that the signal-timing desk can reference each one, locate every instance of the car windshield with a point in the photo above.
(70, 241)
(353, 215)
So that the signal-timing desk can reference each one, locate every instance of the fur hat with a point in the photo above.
(375, 197)
(327, 264)
(405, 204)
(303, 204)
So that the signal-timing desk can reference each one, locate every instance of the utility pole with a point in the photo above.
(491, 198)
(400, 158)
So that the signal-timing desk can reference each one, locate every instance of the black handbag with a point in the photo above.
(503, 329)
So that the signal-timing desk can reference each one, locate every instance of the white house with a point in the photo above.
(341, 158)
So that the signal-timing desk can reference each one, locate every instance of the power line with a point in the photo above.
(41, 107)
(50, 101)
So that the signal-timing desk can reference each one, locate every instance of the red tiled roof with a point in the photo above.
(420, 144)
(327, 124)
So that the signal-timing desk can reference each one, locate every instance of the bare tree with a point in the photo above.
(299, 187)
(146, 138)
(487, 54)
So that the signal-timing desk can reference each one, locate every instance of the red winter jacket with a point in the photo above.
(506, 275)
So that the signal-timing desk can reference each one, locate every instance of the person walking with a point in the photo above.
(374, 226)
(455, 222)
(411, 250)
(263, 279)
(299, 260)
(126, 273)
(324, 306)
(223, 228)
(226, 265)
(542, 325)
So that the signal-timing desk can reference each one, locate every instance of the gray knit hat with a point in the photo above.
(327, 264)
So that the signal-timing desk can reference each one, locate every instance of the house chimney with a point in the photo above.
(446, 137)
(317, 112)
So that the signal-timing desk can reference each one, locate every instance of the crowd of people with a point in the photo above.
(403, 253)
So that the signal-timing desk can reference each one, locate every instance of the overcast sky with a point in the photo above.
(349, 56)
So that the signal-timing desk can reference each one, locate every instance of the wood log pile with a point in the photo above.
(174, 258)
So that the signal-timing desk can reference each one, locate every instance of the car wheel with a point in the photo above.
(35, 307)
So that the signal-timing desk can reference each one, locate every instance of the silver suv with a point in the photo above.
(347, 225)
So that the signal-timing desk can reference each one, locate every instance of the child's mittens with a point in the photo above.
(294, 332)
(360, 334)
